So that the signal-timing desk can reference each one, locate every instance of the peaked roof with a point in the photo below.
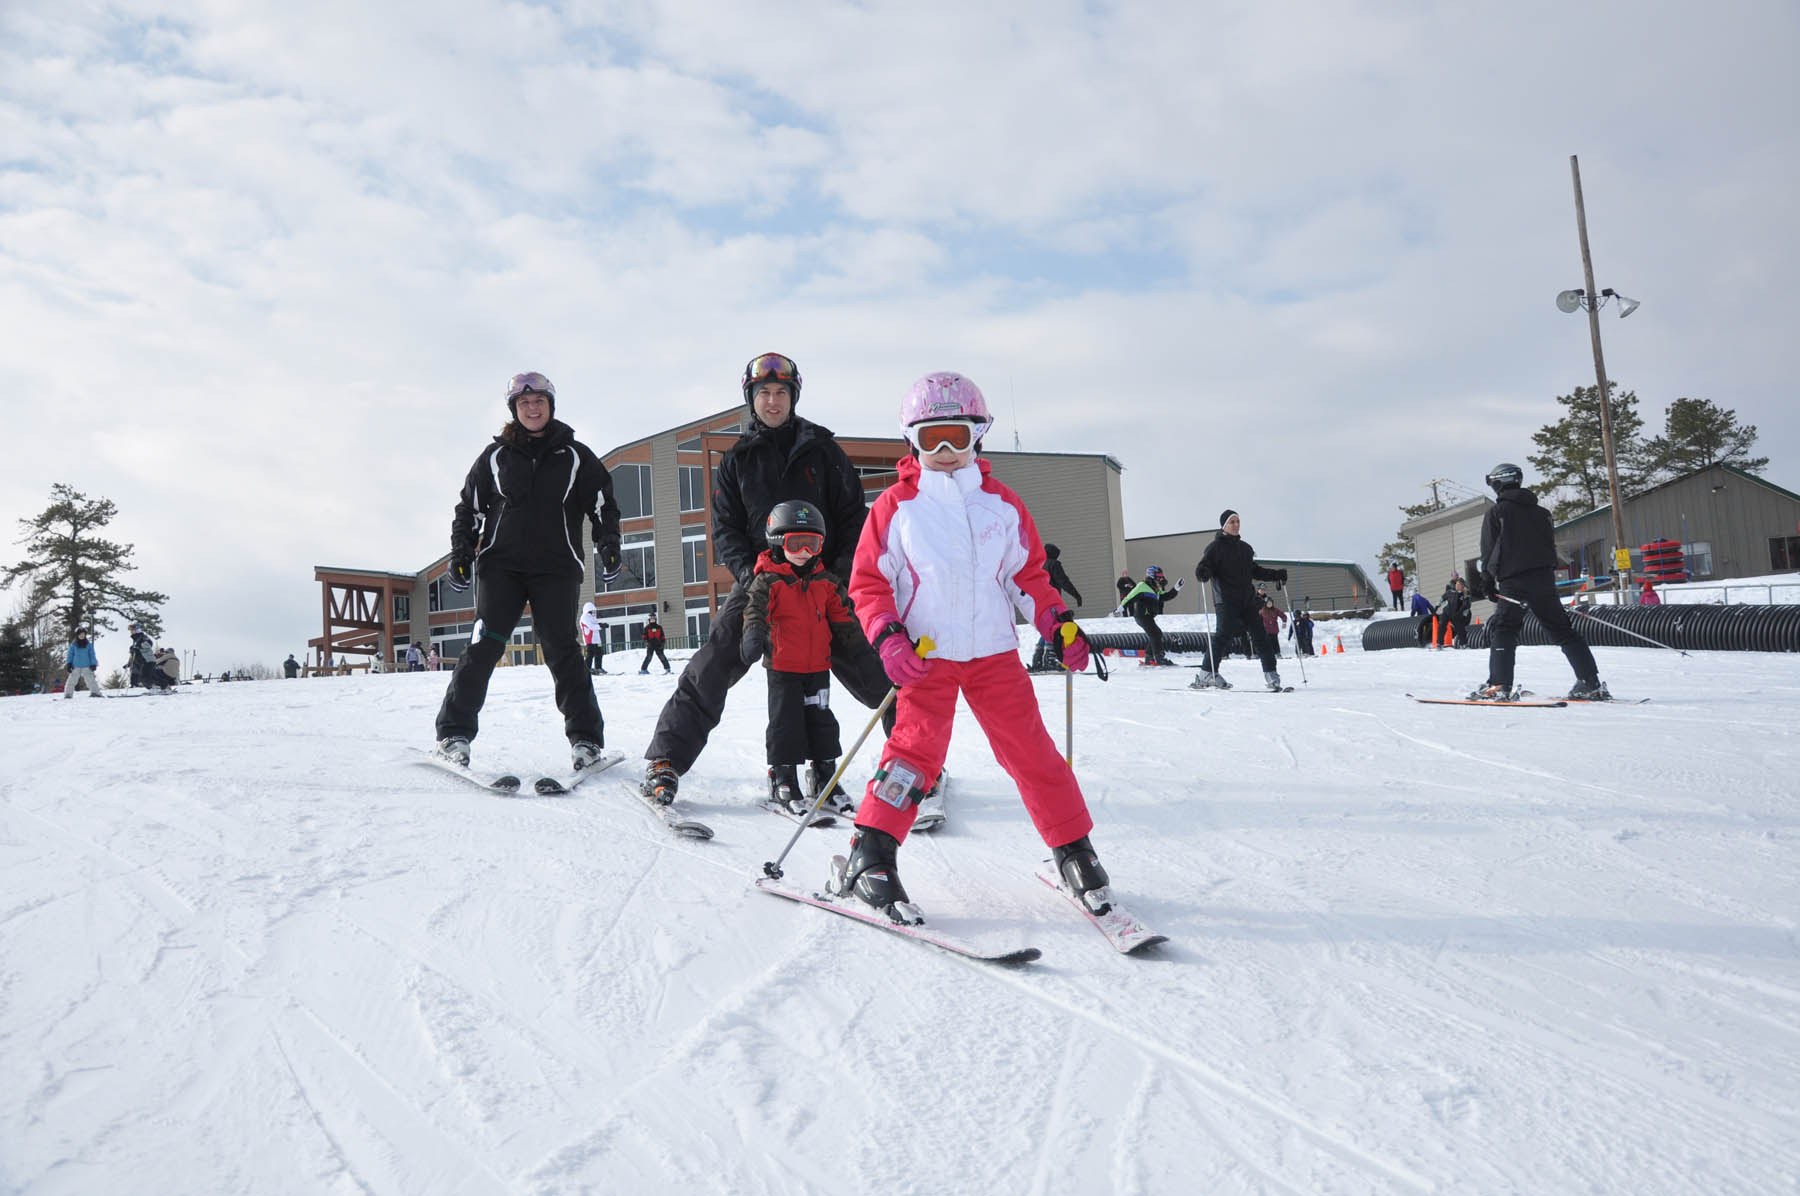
(1730, 469)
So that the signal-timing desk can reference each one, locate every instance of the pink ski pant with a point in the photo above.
(999, 693)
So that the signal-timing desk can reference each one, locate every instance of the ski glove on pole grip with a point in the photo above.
(1057, 625)
(460, 575)
(901, 659)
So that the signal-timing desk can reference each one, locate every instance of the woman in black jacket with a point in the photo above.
(516, 536)
(1229, 564)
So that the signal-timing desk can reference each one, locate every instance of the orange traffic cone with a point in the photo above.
(1340, 642)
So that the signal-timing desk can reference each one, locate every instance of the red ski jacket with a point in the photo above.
(798, 612)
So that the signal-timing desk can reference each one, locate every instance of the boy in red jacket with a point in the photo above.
(795, 608)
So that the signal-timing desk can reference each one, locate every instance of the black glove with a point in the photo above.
(1202, 573)
(1281, 576)
(610, 563)
(460, 574)
(753, 645)
(1487, 587)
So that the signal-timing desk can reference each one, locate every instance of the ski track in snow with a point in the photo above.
(247, 945)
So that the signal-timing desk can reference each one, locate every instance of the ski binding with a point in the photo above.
(1122, 930)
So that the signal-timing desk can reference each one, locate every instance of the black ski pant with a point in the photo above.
(596, 658)
(1534, 590)
(698, 702)
(801, 725)
(1234, 623)
(1397, 596)
(500, 597)
(1147, 621)
(655, 650)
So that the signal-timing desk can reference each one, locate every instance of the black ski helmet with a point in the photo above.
(793, 515)
(772, 367)
(1505, 476)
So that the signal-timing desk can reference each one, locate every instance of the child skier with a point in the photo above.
(949, 553)
(1143, 602)
(794, 611)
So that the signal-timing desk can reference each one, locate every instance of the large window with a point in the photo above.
(1784, 553)
(637, 555)
(693, 488)
(402, 608)
(1699, 559)
(699, 621)
(692, 444)
(693, 556)
(445, 597)
(631, 489)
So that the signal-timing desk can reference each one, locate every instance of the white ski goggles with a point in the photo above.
(957, 435)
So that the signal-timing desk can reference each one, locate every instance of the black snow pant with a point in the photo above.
(1397, 596)
(596, 657)
(655, 650)
(698, 702)
(1234, 623)
(1303, 643)
(1147, 621)
(500, 597)
(801, 725)
(1534, 590)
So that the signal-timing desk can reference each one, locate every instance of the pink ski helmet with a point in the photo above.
(944, 395)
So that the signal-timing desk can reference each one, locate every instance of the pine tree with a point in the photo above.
(1399, 550)
(1698, 433)
(71, 575)
(1571, 454)
(17, 673)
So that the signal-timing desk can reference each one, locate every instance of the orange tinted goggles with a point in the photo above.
(957, 434)
(813, 542)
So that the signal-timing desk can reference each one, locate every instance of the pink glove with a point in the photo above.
(899, 656)
(1050, 623)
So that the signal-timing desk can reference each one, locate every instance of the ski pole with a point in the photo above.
(772, 868)
(1632, 634)
(1297, 654)
(1603, 623)
(1212, 655)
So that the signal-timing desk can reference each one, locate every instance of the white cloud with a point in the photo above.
(269, 265)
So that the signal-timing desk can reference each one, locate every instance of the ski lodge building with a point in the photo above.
(663, 485)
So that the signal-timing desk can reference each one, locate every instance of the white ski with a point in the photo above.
(673, 816)
(920, 933)
(1125, 932)
(493, 782)
(557, 786)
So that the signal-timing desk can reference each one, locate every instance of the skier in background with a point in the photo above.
(1518, 572)
(1229, 566)
(142, 650)
(653, 646)
(593, 638)
(1454, 611)
(954, 553)
(794, 612)
(1146, 601)
(1300, 630)
(1272, 617)
(516, 523)
(82, 661)
(1043, 660)
(1396, 582)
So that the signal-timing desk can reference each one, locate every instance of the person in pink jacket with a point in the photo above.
(950, 554)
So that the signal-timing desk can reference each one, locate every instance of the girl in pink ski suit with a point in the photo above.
(949, 553)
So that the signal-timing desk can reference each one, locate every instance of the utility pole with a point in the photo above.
(1621, 563)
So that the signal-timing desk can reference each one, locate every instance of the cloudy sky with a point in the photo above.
(265, 267)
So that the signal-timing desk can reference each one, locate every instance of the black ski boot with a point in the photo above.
(784, 790)
(871, 875)
(1079, 866)
(1589, 691)
(660, 782)
(455, 749)
(817, 773)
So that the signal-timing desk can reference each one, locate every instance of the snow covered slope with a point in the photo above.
(247, 945)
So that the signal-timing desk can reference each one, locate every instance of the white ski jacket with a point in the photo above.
(952, 556)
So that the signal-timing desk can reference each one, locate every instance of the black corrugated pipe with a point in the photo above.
(1382, 634)
(1685, 628)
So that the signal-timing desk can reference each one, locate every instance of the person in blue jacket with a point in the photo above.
(82, 661)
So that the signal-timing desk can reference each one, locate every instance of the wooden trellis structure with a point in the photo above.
(357, 608)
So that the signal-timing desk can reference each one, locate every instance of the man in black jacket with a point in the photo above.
(517, 535)
(780, 457)
(1044, 659)
(1229, 564)
(1518, 572)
